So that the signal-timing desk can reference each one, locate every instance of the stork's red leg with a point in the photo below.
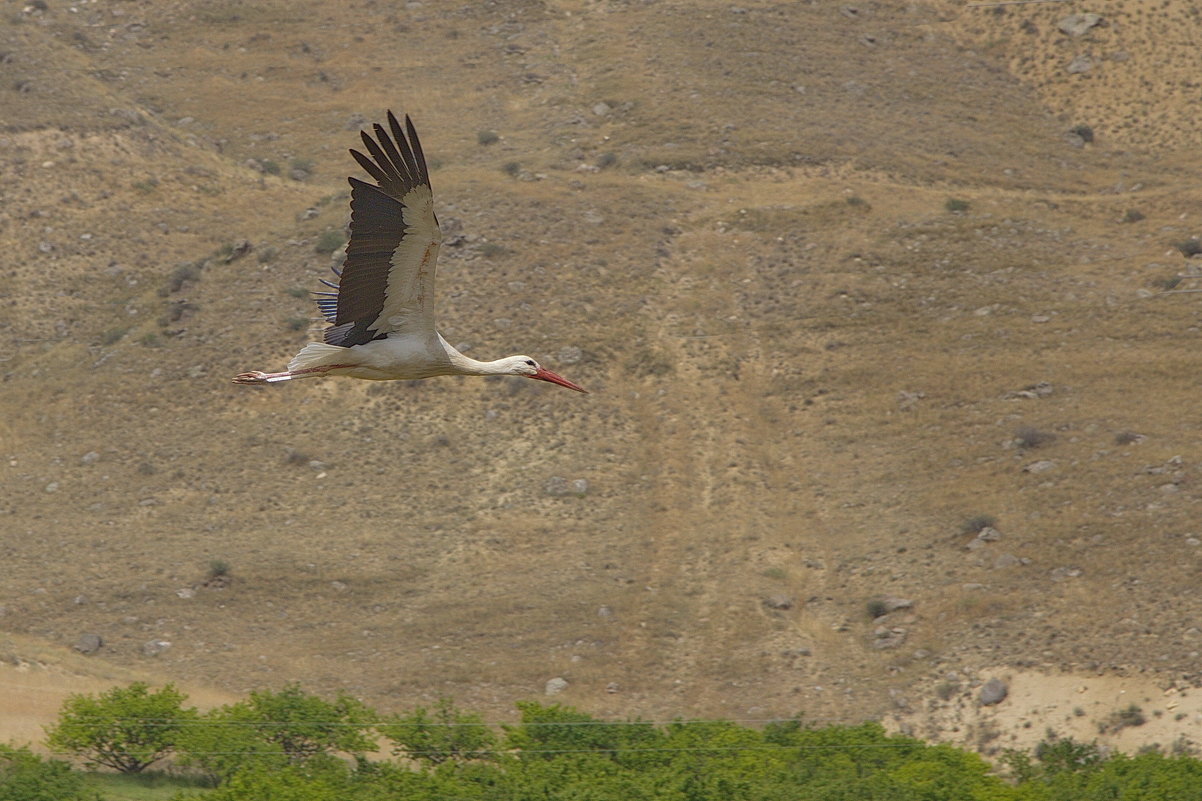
(259, 377)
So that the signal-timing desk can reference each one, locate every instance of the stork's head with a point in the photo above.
(524, 365)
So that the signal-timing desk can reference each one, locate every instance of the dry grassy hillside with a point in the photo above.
(732, 224)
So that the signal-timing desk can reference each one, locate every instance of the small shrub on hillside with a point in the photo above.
(1167, 283)
(330, 241)
(487, 137)
(182, 274)
(1133, 216)
(977, 523)
(511, 168)
(877, 608)
(218, 568)
(1189, 247)
(297, 323)
(1083, 131)
(1120, 719)
(1028, 437)
(1127, 438)
(270, 167)
(607, 160)
(955, 205)
(298, 292)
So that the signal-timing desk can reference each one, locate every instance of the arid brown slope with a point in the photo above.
(799, 358)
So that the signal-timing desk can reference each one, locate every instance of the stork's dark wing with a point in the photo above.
(386, 283)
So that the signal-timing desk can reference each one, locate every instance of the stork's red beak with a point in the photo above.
(544, 374)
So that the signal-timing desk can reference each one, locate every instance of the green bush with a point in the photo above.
(25, 776)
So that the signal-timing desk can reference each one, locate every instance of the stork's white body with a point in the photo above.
(381, 313)
(396, 357)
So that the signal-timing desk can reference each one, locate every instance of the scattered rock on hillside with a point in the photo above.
(1078, 24)
(88, 643)
(779, 602)
(560, 487)
(1007, 560)
(1035, 391)
(1042, 466)
(984, 536)
(1080, 64)
(885, 638)
(556, 685)
(154, 647)
(993, 692)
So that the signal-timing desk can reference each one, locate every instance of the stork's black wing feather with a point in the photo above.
(379, 225)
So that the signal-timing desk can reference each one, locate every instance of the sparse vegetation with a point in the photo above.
(1127, 438)
(977, 523)
(1121, 719)
(330, 241)
(955, 205)
(607, 160)
(270, 167)
(1028, 437)
(1167, 283)
(218, 568)
(113, 336)
(491, 250)
(511, 168)
(776, 573)
(1133, 216)
(297, 323)
(298, 292)
(268, 254)
(487, 138)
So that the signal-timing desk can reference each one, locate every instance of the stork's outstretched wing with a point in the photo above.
(386, 283)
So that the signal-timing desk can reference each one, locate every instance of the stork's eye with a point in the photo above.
(531, 363)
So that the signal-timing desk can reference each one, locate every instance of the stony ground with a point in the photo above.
(846, 285)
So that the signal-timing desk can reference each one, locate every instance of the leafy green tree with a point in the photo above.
(434, 737)
(25, 776)
(126, 729)
(272, 729)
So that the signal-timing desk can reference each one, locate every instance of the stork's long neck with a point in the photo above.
(466, 365)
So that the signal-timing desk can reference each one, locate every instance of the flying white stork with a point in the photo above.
(381, 311)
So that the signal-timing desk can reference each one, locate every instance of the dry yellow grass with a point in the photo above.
(799, 357)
